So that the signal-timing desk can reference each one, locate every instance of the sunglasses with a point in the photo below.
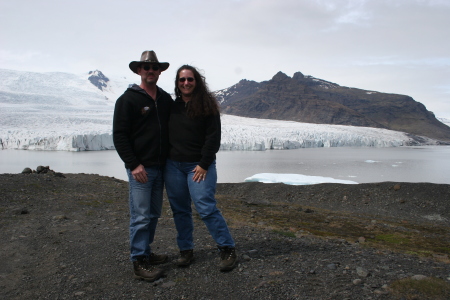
(148, 67)
(189, 79)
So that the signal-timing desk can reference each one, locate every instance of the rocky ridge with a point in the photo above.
(312, 100)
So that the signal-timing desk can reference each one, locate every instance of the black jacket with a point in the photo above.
(193, 140)
(140, 131)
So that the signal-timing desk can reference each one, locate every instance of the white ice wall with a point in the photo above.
(237, 134)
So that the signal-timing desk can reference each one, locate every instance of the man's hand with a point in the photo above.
(139, 174)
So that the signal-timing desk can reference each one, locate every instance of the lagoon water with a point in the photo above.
(400, 164)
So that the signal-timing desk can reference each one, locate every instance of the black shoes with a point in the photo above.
(143, 270)
(186, 258)
(143, 266)
(228, 258)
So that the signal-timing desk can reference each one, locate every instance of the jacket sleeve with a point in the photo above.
(212, 141)
(122, 128)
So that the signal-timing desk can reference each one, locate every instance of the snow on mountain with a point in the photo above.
(56, 111)
(61, 111)
(445, 121)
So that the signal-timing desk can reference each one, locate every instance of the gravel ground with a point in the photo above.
(66, 237)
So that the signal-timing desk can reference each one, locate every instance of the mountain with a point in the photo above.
(49, 111)
(312, 100)
(73, 112)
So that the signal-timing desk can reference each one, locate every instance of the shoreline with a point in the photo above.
(411, 164)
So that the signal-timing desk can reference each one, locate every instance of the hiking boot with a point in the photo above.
(155, 259)
(142, 270)
(228, 258)
(186, 258)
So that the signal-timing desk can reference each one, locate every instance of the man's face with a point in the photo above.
(149, 73)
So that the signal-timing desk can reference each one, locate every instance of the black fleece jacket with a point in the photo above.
(140, 127)
(193, 140)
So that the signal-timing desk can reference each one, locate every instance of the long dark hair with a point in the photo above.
(203, 103)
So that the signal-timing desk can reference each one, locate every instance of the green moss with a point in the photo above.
(414, 239)
(445, 250)
(320, 233)
(428, 288)
(392, 239)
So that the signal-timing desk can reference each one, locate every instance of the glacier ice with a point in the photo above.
(238, 133)
(60, 111)
(294, 179)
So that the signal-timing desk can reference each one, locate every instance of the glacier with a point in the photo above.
(67, 112)
(238, 133)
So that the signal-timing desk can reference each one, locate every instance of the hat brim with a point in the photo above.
(135, 64)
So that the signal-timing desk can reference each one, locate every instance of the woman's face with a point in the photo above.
(186, 82)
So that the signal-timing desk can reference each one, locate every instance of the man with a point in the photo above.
(140, 136)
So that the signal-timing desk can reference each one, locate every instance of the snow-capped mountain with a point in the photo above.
(56, 111)
(61, 111)
(311, 100)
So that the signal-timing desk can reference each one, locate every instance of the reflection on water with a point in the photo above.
(402, 164)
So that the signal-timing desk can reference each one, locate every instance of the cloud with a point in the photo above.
(18, 57)
(357, 43)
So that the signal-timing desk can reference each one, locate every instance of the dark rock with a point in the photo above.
(27, 171)
(98, 79)
(42, 169)
(332, 266)
(21, 211)
(362, 272)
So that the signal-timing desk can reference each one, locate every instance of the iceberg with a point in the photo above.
(294, 179)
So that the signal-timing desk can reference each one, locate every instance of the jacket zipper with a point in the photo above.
(160, 128)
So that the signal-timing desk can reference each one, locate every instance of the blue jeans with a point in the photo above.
(182, 190)
(145, 209)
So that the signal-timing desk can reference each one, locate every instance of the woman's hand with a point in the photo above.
(199, 174)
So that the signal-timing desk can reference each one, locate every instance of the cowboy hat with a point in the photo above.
(148, 57)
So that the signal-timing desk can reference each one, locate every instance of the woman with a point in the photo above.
(190, 173)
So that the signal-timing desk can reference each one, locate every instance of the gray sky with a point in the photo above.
(392, 46)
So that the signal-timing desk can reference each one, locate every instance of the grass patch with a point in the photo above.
(293, 219)
(445, 250)
(428, 288)
(392, 239)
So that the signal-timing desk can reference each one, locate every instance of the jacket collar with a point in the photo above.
(137, 88)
